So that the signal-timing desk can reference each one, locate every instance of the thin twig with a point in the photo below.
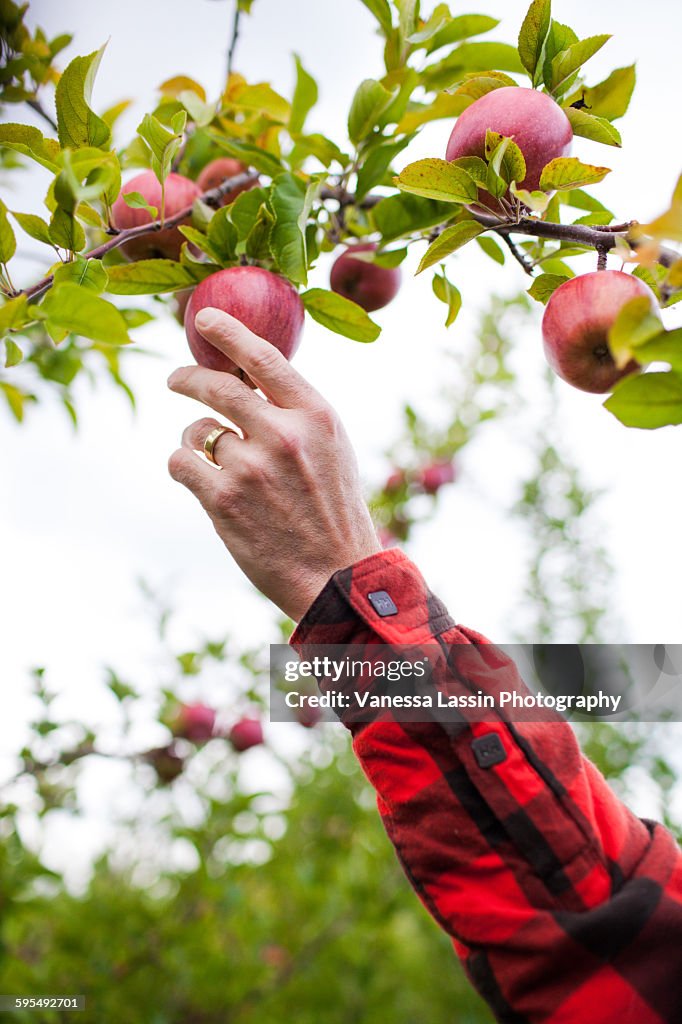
(518, 255)
(211, 198)
(235, 37)
(36, 105)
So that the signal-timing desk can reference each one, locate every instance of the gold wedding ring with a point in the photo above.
(212, 440)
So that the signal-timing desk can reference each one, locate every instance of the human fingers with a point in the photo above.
(197, 434)
(223, 392)
(265, 364)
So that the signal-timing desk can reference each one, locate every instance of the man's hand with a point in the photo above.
(287, 501)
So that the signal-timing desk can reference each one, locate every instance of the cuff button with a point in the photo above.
(382, 603)
(489, 750)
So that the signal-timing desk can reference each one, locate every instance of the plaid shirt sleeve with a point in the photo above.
(563, 906)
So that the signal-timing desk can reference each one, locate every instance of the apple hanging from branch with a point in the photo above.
(576, 324)
(180, 192)
(363, 282)
(265, 302)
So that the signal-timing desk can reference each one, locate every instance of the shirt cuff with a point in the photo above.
(385, 593)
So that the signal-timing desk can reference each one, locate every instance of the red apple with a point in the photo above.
(576, 325)
(532, 119)
(395, 481)
(265, 302)
(217, 171)
(166, 762)
(195, 722)
(432, 477)
(246, 733)
(180, 300)
(167, 243)
(368, 285)
(308, 716)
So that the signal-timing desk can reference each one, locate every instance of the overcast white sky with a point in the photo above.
(83, 516)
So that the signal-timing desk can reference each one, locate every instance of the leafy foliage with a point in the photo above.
(314, 191)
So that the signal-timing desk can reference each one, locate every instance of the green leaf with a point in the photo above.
(245, 212)
(449, 241)
(322, 148)
(446, 291)
(16, 399)
(636, 323)
(163, 143)
(199, 112)
(648, 401)
(408, 11)
(66, 232)
(665, 347)
(89, 274)
(250, 155)
(340, 315)
(78, 310)
(491, 249)
(468, 57)
(559, 38)
(136, 201)
(475, 167)
(382, 13)
(34, 226)
(13, 354)
(305, 97)
(568, 172)
(13, 314)
(437, 179)
(545, 285)
(505, 157)
(568, 62)
(444, 105)
(23, 138)
(262, 99)
(611, 98)
(377, 163)
(464, 26)
(439, 18)
(8, 242)
(290, 203)
(153, 277)
(536, 201)
(474, 86)
(199, 239)
(369, 103)
(598, 129)
(580, 200)
(404, 214)
(78, 125)
(532, 37)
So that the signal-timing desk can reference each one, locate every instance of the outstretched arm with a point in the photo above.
(563, 906)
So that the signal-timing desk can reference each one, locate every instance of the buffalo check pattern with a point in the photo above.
(562, 905)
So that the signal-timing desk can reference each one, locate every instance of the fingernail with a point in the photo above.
(208, 317)
(172, 379)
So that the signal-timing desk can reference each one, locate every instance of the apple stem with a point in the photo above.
(602, 254)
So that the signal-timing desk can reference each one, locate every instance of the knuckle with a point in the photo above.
(266, 359)
(198, 431)
(289, 440)
(226, 501)
(176, 464)
(220, 391)
(325, 420)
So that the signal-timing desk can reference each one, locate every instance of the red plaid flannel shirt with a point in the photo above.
(563, 906)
